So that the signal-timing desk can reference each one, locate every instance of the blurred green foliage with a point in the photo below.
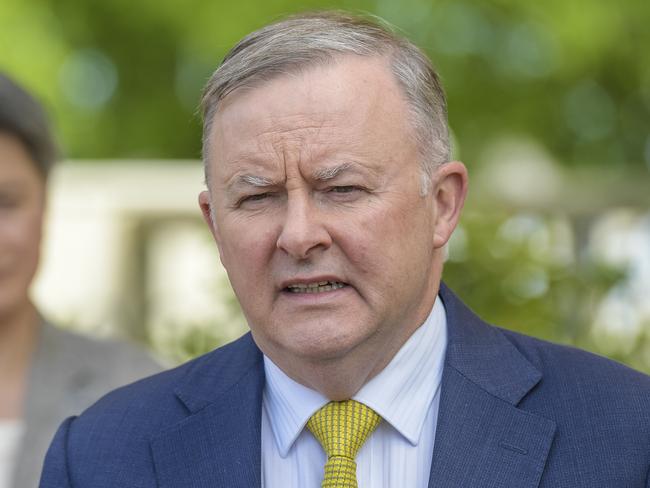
(186, 341)
(122, 78)
(527, 272)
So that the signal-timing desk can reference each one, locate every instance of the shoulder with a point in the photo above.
(562, 371)
(114, 362)
(591, 399)
(115, 435)
(147, 406)
(69, 342)
(601, 409)
(571, 365)
(581, 385)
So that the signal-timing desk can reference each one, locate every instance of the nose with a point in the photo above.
(303, 231)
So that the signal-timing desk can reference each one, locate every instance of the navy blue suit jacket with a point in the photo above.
(514, 412)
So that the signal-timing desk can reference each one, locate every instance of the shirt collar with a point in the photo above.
(401, 393)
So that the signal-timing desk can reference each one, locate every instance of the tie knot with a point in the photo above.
(343, 427)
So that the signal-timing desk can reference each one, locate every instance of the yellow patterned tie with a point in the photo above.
(342, 428)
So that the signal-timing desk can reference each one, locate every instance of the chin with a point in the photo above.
(9, 308)
(310, 340)
(325, 347)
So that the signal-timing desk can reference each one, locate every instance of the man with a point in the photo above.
(331, 198)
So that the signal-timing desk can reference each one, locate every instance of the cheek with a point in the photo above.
(384, 233)
(19, 255)
(20, 233)
(389, 246)
(246, 251)
(31, 244)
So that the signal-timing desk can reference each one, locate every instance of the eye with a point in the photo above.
(253, 199)
(8, 201)
(344, 189)
(256, 197)
(344, 193)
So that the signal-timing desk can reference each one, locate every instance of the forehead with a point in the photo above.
(352, 105)
(15, 161)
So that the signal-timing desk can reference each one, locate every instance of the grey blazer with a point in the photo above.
(69, 372)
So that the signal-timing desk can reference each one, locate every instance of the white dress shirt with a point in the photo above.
(11, 432)
(406, 394)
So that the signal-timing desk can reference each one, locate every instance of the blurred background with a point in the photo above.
(549, 106)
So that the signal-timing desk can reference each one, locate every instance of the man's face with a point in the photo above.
(315, 194)
(21, 216)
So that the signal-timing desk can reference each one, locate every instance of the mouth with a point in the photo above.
(314, 287)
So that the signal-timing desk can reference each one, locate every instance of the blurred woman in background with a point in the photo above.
(46, 374)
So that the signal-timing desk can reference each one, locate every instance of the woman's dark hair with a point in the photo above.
(23, 117)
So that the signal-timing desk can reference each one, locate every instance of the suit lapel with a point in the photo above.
(482, 437)
(218, 445)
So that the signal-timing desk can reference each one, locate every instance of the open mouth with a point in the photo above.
(317, 287)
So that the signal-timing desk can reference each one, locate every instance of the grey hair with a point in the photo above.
(23, 117)
(305, 40)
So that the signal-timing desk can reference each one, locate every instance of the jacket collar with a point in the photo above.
(218, 444)
(208, 380)
(483, 355)
(482, 437)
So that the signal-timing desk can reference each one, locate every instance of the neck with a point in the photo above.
(334, 380)
(18, 333)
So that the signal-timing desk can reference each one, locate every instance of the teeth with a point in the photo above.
(317, 287)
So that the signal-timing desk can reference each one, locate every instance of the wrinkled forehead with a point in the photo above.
(299, 74)
(270, 73)
(354, 96)
(335, 68)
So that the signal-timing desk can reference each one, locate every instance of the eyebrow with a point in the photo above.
(331, 172)
(253, 180)
(12, 186)
(323, 174)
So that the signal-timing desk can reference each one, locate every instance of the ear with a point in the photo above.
(206, 210)
(449, 188)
